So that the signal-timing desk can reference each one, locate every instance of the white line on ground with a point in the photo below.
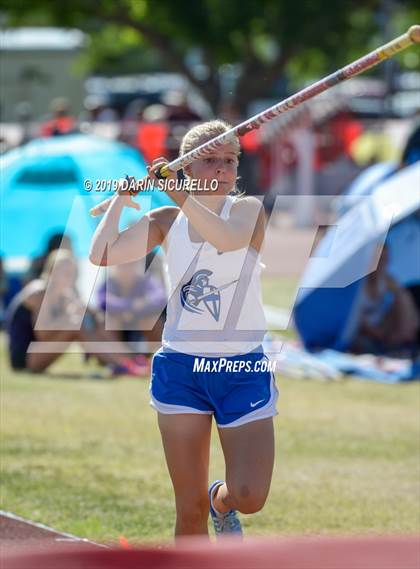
(277, 317)
(64, 536)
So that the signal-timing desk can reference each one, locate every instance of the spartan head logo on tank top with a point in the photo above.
(199, 295)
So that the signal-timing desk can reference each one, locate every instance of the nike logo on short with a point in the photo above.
(256, 403)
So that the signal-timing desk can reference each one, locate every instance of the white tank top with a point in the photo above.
(215, 305)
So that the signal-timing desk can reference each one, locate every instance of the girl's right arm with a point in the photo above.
(112, 247)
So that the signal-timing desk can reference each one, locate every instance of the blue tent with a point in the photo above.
(42, 190)
(326, 309)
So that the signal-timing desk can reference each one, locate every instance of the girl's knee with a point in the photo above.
(251, 505)
(248, 499)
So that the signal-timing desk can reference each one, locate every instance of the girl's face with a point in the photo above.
(220, 165)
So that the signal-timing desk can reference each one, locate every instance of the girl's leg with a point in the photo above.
(186, 441)
(249, 457)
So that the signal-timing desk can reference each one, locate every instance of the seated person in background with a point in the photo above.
(134, 301)
(48, 310)
(55, 241)
(60, 120)
(406, 239)
(10, 285)
(3, 291)
(388, 315)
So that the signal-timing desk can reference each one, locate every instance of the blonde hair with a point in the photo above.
(204, 132)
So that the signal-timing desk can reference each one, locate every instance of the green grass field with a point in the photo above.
(279, 292)
(84, 456)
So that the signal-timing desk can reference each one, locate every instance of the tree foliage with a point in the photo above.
(263, 38)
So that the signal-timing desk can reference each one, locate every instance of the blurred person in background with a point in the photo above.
(334, 166)
(388, 316)
(56, 241)
(61, 121)
(152, 132)
(133, 301)
(96, 109)
(180, 118)
(47, 310)
(3, 290)
(411, 152)
(178, 108)
(133, 115)
(23, 111)
(10, 285)
(5, 146)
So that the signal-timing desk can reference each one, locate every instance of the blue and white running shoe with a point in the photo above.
(224, 524)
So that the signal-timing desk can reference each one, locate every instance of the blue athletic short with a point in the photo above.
(236, 389)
